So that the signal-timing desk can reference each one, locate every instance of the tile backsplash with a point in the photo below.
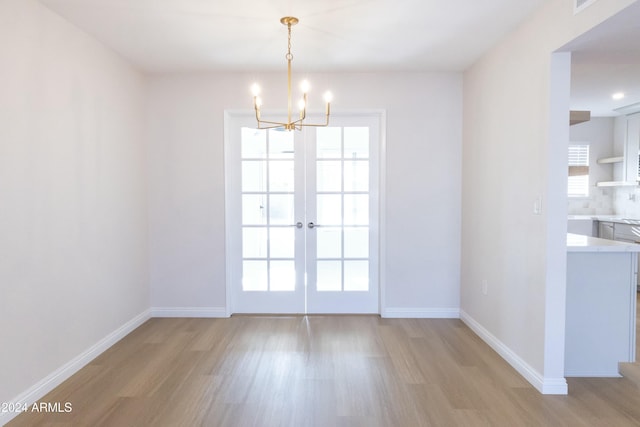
(600, 202)
(626, 202)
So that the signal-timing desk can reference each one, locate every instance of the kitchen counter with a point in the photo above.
(601, 305)
(610, 218)
(580, 243)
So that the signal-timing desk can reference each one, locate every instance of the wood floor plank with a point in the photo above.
(320, 371)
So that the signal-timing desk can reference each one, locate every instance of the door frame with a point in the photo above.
(231, 246)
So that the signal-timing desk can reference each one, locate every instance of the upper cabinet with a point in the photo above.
(627, 141)
(632, 148)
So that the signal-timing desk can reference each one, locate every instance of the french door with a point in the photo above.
(302, 217)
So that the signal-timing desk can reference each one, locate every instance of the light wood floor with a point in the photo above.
(320, 371)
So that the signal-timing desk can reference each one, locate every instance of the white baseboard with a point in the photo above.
(189, 312)
(591, 374)
(421, 313)
(51, 381)
(543, 384)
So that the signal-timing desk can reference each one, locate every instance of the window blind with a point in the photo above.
(578, 171)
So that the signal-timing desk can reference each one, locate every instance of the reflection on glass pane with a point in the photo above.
(281, 209)
(329, 242)
(356, 176)
(329, 142)
(356, 143)
(356, 242)
(254, 143)
(329, 209)
(281, 175)
(254, 242)
(329, 276)
(254, 276)
(254, 176)
(283, 276)
(281, 242)
(280, 144)
(356, 209)
(329, 175)
(356, 275)
(254, 209)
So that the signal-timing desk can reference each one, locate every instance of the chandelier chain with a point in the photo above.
(289, 56)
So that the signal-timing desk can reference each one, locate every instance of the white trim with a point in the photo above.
(590, 374)
(421, 313)
(542, 384)
(211, 312)
(554, 386)
(228, 186)
(231, 244)
(555, 186)
(57, 377)
(382, 212)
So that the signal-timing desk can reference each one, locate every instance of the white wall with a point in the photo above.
(514, 151)
(73, 251)
(598, 134)
(423, 183)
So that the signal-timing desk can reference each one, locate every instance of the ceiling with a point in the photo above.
(333, 35)
(350, 35)
(604, 61)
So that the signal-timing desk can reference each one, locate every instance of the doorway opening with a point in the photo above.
(303, 216)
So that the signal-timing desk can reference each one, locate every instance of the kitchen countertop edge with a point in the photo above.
(580, 243)
(609, 218)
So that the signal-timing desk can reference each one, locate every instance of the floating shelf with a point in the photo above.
(616, 184)
(619, 159)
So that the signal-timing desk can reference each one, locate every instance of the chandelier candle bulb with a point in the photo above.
(328, 97)
(305, 86)
(290, 124)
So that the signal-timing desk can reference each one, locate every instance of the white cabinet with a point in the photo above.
(621, 232)
(601, 312)
(582, 226)
(626, 168)
(632, 148)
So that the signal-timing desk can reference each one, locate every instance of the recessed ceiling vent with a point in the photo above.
(581, 5)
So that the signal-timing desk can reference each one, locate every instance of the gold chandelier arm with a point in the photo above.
(298, 124)
(326, 123)
(280, 124)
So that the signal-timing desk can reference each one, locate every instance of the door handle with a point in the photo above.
(312, 225)
(297, 225)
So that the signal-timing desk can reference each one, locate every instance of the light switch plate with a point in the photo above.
(537, 206)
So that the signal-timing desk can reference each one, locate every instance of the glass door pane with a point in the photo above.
(304, 227)
(272, 263)
(341, 192)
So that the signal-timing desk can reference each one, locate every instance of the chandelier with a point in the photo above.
(290, 124)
